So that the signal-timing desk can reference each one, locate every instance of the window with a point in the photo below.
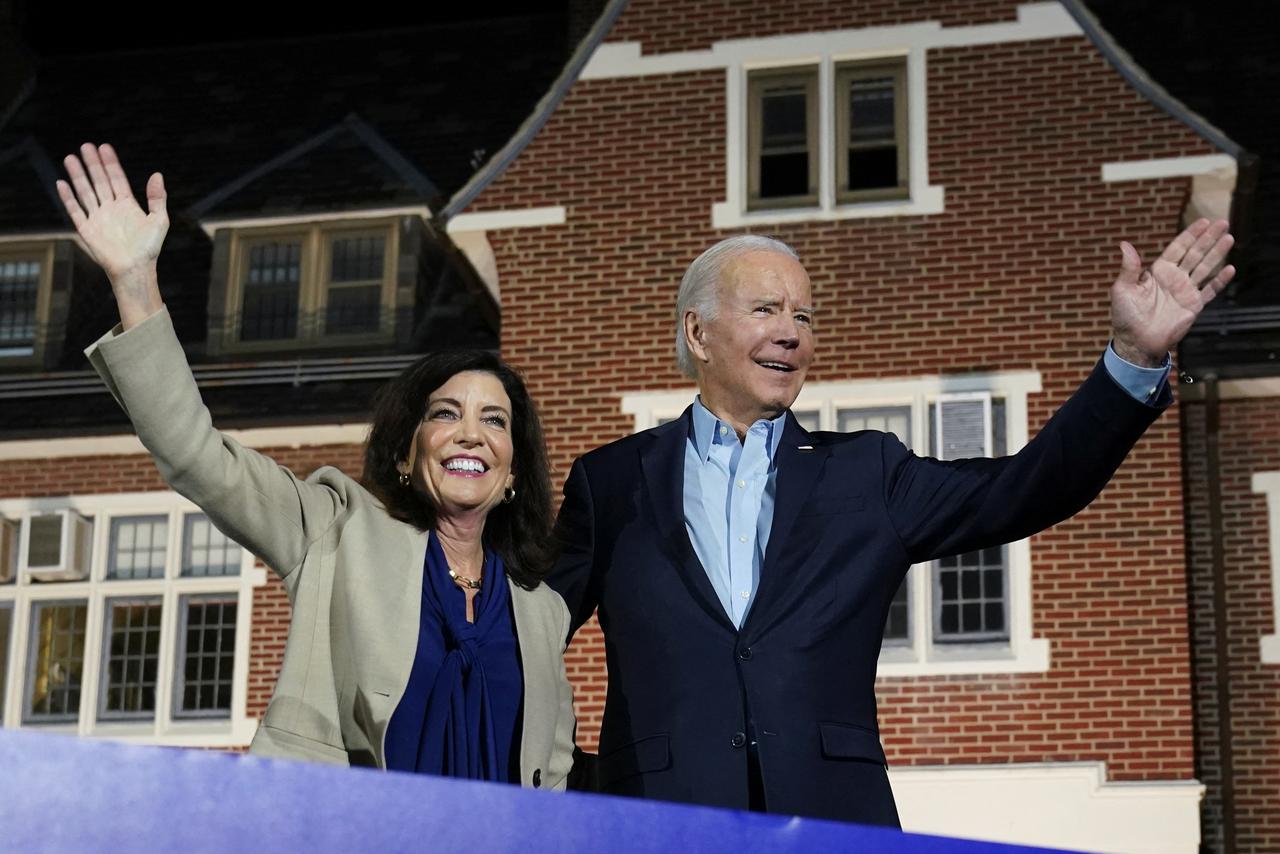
(1268, 483)
(311, 286)
(871, 132)
(835, 137)
(968, 613)
(126, 618)
(25, 276)
(784, 138)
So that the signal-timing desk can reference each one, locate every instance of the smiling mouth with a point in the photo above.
(465, 466)
(780, 367)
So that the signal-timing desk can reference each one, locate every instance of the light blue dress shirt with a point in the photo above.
(729, 488)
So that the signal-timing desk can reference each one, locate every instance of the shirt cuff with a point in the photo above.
(1143, 384)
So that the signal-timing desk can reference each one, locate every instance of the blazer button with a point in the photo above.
(537, 777)
(745, 653)
(739, 739)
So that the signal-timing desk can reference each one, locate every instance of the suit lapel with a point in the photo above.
(662, 462)
(799, 461)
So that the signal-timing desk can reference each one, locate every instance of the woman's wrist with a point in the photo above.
(137, 294)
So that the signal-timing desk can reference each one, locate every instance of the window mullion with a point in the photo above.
(826, 135)
(95, 650)
(313, 279)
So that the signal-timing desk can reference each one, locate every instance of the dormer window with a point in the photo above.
(311, 286)
(25, 276)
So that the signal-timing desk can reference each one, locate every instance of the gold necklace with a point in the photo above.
(463, 581)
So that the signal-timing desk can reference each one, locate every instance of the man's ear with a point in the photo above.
(695, 335)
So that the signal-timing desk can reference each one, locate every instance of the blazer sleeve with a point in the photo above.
(566, 722)
(940, 508)
(574, 573)
(250, 498)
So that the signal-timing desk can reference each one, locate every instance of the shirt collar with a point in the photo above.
(706, 431)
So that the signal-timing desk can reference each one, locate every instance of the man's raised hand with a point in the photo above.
(1151, 310)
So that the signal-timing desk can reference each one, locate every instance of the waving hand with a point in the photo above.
(120, 236)
(1151, 310)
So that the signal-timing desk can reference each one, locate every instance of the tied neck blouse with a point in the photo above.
(461, 708)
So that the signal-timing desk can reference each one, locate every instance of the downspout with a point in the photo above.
(1226, 765)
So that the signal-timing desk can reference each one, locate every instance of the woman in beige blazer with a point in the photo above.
(456, 479)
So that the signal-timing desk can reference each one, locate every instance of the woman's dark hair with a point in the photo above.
(519, 531)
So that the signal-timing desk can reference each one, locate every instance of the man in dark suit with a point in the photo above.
(743, 567)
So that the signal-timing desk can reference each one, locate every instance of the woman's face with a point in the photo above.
(464, 446)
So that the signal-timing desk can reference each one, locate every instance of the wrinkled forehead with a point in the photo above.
(762, 274)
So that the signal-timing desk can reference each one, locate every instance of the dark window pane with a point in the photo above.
(873, 168)
(207, 658)
(950, 586)
(133, 630)
(970, 588)
(19, 285)
(353, 309)
(971, 617)
(272, 279)
(357, 259)
(994, 617)
(784, 174)
(950, 619)
(782, 118)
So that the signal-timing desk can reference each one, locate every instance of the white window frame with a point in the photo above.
(1268, 483)
(236, 730)
(1023, 653)
(922, 199)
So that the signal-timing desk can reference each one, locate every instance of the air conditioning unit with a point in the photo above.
(56, 546)
(8, 549)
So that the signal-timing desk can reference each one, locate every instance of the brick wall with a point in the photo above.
(1013, 275)
(1249, 442)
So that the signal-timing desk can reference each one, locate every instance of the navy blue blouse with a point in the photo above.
(460, 712)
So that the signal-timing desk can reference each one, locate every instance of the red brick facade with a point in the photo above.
(1249, 443)
(1012, 276)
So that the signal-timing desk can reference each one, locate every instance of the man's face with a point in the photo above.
(755, 352)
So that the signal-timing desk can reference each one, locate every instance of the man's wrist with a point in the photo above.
(1136, 356)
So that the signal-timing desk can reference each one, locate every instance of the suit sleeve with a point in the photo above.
(574, 573)
(251, 499)
(941, 508)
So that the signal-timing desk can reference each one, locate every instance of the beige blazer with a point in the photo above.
(353, 574)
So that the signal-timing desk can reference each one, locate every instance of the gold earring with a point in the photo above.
(508, 495)
(405, 480)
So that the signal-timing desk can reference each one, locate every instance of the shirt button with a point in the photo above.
(739, 740)
(742, 484)
(742, 539)
(745, 594)
(723, 430)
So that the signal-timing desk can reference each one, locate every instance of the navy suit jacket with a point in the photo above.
(852, 513)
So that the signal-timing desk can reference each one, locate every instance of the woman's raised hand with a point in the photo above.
(120, 236)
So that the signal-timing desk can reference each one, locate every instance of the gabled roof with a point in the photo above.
(431, 101)
(346, 167)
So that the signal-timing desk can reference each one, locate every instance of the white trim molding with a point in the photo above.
(128, 444)
(1062, 805)
(520, 218)
(1021, 653)
(1167, 167)
(212, 225)
(1213, 180)
(1268, 483)
(96, 590)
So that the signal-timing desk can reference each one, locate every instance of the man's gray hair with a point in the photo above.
(700, 287)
